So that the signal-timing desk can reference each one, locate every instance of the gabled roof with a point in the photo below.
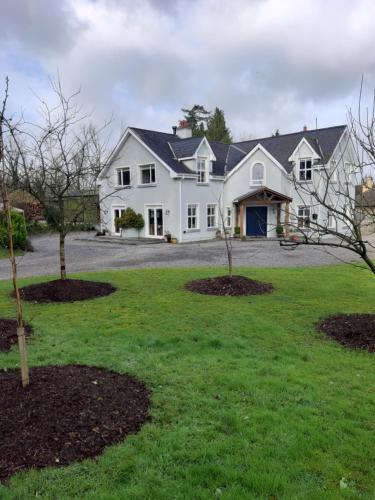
(323, 141)
(170, 148)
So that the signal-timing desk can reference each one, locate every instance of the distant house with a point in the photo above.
(181, 184)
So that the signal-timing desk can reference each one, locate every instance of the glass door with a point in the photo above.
(155, 221)
(117, 212)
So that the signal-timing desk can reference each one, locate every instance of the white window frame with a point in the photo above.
(122, 169)
(141, 168)
(201, 170)
(333, 171)
(331, 220)
(257, 182)
(196, 216)
(305, 170)
(304, 216)
(228, 216)
(210, 216)
(113, 208)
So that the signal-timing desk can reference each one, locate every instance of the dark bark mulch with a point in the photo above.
(229, 285)
(66, 414)
(351, 330)
(8, 333)
(67, 290)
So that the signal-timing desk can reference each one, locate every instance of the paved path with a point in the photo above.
(95, 256)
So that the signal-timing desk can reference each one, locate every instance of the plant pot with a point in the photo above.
(173, 241)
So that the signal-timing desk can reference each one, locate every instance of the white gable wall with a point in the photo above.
(133, 154)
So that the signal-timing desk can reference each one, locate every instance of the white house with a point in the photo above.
(187, 186)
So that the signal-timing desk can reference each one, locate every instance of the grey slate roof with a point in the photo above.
(170, 147)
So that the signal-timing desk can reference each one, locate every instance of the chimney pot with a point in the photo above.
(174, 128)
(305, 128)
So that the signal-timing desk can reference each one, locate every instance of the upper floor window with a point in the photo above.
(305, 169)
(333, 171)
(211, 215)
(201, 170)
(123, 176)
(257, 174)
(147, 174)
(192, 216)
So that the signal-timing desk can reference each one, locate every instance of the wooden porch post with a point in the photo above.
(278, 218)
(286, 220)
(241, 219)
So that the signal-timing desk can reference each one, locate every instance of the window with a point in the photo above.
(257, 174)
(201, 170)
(331, 221)
(304, 217)
(211, 215)
(147, 174)
(228, 217)
(192, 216)
(123, 176)
(333, 171)
(305, 169)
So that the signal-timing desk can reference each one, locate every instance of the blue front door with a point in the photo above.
(256, 221)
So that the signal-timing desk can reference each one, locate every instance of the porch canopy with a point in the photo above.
(263, 196)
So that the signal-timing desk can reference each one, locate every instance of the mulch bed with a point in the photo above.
(67, 290)
(229, 285)
(66, 414)
(8, 333)
(351, 330)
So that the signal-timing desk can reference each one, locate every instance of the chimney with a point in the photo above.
(183, 130)
(305, 128)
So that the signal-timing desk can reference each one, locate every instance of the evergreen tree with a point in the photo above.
(196, 117)
(217, 129)
(276, 134)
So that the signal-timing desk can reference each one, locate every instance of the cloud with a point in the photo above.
(268, 64)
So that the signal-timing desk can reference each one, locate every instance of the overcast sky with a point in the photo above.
(268, 63)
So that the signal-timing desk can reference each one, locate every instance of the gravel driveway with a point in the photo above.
(95, 255)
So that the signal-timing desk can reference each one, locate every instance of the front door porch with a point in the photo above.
(253, 207)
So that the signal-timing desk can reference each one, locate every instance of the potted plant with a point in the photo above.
(237, 231)
(174, 240)
(168, 237)
(280, 231)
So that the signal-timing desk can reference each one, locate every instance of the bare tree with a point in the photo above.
(227, 239)
(59, 155)
(329, 214)
(4, 126)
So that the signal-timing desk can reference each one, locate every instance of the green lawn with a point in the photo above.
(249, 401)
(4, 253)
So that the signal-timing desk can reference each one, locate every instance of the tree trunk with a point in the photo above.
(20, 326)
(62, 256)
(370, 264)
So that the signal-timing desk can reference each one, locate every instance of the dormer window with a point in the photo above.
(257, 174)
(305, 169)
(202, 170)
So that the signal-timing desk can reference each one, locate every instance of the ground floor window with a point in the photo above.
(192, 216)
(211, 215)
(228, 217)
(304, 217)
(117, 213)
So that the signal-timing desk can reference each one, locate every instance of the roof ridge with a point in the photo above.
(155, 131)
(290, 133)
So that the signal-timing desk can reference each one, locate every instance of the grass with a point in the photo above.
(249, 401)
(4, 253)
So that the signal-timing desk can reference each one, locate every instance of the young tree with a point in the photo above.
(276, 134)
(217, 129)
(329, 214)
(60, 154)
(5, 125)
(197, 118)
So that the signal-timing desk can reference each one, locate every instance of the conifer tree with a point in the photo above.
(217, 129)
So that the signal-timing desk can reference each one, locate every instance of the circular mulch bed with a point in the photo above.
(351, 330)
(229, 285)
(66, 414)
(8, 333)
(67, 290)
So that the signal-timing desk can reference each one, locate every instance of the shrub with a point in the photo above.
(131, 220)
(279, 230)
(237, 230)
(19, 231)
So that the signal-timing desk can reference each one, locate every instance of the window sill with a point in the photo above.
(212, 228)
(203, 183)
(192, 230)
(127, 186)
(147, 185)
